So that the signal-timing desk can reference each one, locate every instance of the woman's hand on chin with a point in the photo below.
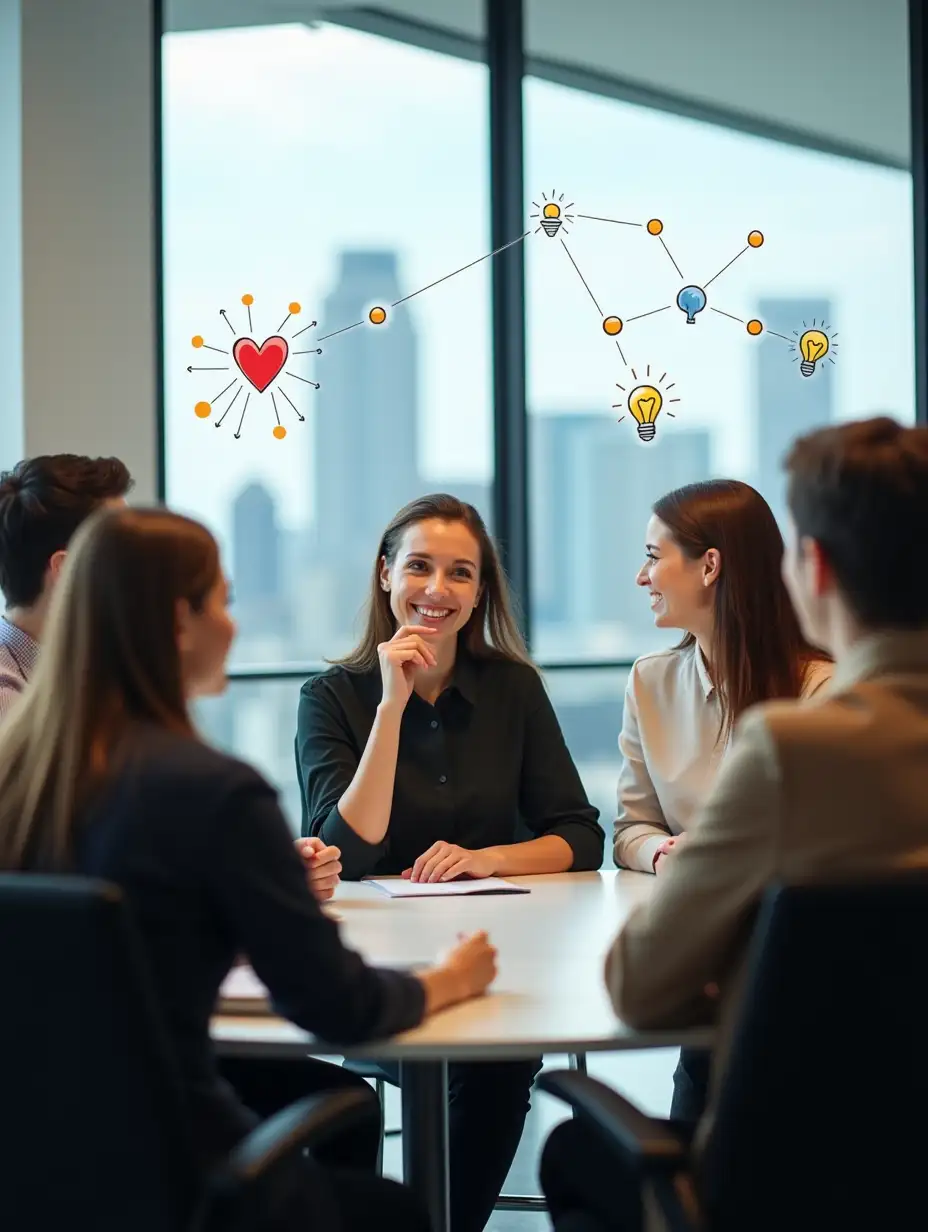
(445, 861)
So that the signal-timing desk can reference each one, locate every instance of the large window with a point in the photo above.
(336, 168)
(341, 172)
(836, 256)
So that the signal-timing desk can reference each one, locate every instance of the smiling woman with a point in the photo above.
(430, 751)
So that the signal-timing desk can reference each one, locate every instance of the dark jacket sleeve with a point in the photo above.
(552, 799)
(327, 758)
(258, 883)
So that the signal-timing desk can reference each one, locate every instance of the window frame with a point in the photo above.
(503, 51)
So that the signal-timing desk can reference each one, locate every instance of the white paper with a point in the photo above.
(398, 887)
(241, 984)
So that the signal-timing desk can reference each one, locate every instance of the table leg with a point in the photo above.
(424, 1087)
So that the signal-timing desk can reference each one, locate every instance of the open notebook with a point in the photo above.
(397, 887)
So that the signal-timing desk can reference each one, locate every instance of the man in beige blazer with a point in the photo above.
(835, 787)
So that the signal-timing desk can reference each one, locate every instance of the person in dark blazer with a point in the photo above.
(433, 752)
(102, 773)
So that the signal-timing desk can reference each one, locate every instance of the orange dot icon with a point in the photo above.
(196, 341)
(756, 238)
(293, 308)
(202, 410)
(377, 316)
(655, 226)
(280, 432)
(612, 326)
(755, 327)
(248, 300)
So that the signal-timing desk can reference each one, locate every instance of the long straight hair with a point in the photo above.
(759, 652)
(491, 632)
(109, 659)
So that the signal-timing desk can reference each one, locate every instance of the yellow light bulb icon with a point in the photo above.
(814, 346)
(645, 403)
(551, 219)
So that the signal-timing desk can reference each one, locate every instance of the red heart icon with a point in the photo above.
(260, 364)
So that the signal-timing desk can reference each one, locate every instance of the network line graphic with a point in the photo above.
(261, 368)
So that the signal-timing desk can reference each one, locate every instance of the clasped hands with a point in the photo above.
(667, 848)
(446, 861)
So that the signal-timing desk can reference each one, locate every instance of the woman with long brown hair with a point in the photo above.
(713, 557)
(433, 751)
(102, 773)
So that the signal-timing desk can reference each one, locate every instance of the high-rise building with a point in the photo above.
(255, 545)
(257, 574)
(592, 487)
(366, 437)
(788, 404)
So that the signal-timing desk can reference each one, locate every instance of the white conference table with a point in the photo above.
(549, 995)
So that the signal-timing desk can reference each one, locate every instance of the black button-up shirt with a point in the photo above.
(487, 756)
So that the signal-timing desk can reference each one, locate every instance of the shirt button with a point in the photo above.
(443, 778)
(434, 723)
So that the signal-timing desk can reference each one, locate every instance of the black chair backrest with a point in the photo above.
(92, 1132)
(820, 1121)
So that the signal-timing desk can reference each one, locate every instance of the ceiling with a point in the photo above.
(830, 72)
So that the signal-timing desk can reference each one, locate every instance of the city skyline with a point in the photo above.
(352, 160)
(591, 489)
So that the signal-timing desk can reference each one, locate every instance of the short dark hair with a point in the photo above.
(42, 502)
(861, 491)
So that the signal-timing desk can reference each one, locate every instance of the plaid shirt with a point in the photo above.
(18, 656)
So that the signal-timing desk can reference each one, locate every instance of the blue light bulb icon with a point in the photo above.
(691, 300)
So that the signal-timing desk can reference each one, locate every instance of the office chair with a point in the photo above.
(820, 1120)
(93, 1133)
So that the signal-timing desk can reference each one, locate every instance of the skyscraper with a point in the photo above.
(592, 487)
(366, 438)
(255, 545)
(788, 404)
(257, 572)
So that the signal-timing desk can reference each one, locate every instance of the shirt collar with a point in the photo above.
(702, 672)
(465, 676)
(23, 647)
(881, 654)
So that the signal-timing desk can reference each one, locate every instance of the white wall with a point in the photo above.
(11, 367)
(87, 229)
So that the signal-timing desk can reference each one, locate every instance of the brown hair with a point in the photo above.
(109, 657)
(759, 652)
(860, 490)
(491, 632)
(42, 503)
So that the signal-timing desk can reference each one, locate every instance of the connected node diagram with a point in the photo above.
(262, 368)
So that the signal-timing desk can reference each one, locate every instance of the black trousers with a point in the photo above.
(488, 1102)
(342, 1188)
(585, 1185)
(690, 1086)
